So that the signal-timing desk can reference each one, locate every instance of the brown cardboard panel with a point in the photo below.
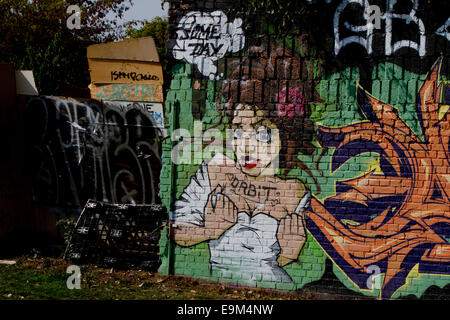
(142, 49)
(127, 92)
(122, 71)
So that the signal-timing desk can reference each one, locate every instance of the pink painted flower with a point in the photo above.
(290, 102)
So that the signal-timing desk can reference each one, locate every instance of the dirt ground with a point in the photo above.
(45, 278)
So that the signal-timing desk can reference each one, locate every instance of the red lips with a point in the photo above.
(249, 164)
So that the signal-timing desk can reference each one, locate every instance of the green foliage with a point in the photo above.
(294, 23)
(35, 37)
(156, 28)
(283, 16)
(66, 226)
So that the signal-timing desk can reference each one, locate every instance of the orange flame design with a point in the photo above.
(419, 174)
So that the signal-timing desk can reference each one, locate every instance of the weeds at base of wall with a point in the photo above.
(65, 226)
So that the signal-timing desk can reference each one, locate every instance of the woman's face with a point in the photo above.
(256, 141)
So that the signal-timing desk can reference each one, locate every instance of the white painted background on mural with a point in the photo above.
(204, 38)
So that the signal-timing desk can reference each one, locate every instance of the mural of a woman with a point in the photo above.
(251, 215)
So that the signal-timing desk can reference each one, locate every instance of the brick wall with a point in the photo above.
(310, 146)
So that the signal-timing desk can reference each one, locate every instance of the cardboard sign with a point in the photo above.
(127, 92)
(121, 71)
(142, 49)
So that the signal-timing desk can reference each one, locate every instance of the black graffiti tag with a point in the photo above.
(249, 189)
(117, 75)
(201, 32)
(89, 150)
(205, 49)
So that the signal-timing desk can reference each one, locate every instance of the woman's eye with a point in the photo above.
(263, 135)
(238, 133)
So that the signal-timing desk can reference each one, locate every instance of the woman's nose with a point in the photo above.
(249, 144)
(245, 144)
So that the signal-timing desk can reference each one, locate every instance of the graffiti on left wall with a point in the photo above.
(87, 150)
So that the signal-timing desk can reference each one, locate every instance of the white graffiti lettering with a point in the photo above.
(367, 40)
(364, 34)
(204, 38)
(444, 30)
(90, 150)
(408, 18)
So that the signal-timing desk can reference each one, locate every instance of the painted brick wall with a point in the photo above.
(309, 146)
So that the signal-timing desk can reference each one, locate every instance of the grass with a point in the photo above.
(45, 279)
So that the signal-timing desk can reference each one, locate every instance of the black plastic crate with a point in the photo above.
(122, 236)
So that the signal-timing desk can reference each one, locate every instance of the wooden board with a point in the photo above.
(122, 71)
(142, 49)
(127, 92)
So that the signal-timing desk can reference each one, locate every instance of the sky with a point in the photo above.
(145, 9)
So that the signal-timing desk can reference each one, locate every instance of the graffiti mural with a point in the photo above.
(294, 165)
(86, 150)
(397, 216)
(252, 219)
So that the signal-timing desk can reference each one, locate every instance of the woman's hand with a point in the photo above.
(291, 237)
(220, 213)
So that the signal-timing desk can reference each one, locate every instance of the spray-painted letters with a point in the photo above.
(80, 151)
(127, 92)
(389, 16)
(204, 38)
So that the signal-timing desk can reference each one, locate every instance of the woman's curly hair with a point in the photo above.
(278, 82)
